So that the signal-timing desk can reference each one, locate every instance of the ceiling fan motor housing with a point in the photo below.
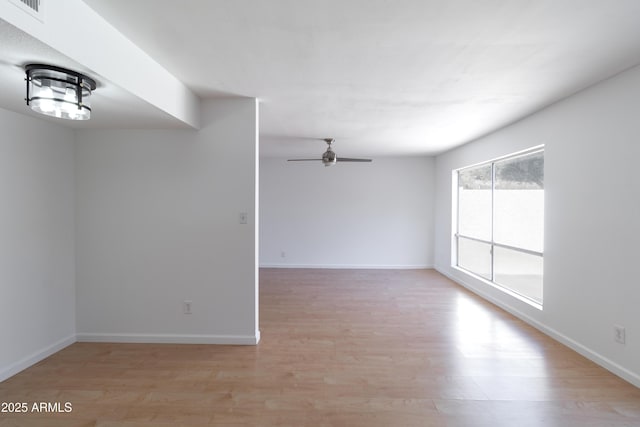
(329, 157)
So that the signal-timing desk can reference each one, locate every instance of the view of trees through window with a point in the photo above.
(500, 222)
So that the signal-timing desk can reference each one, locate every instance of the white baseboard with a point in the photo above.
(350, 266)
(171, 338)
(590, 354)
(35, 357)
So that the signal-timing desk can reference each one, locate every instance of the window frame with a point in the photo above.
(492, 243)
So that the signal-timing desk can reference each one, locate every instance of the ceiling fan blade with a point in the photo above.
(304, 160)
(347, 159)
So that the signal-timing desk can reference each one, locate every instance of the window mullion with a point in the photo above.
(458, 220)
(493, 187)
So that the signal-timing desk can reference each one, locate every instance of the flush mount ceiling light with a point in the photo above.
(59, 92)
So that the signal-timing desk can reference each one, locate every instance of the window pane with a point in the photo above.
(518, 271)
(474, 202)
(475, 257)
(519, 202)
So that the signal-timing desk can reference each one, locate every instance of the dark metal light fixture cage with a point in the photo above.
(58, 92)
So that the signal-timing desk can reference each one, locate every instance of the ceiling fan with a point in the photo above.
(329, 157)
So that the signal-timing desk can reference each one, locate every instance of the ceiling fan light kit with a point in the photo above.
(59, 92)
(329, 157)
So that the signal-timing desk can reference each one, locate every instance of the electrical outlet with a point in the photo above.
(619, 334)
(243, 217)
(186, 307)
(283, 254)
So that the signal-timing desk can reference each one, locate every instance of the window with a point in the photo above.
(500, 222)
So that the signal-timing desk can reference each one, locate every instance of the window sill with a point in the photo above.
(502, 289)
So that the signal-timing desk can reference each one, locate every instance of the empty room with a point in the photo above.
(329, 213)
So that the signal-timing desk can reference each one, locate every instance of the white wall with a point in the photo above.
(592, 219)
(157, 224)
(377, 214)
(37, 289)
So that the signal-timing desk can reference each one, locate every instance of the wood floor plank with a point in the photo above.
(339, 348)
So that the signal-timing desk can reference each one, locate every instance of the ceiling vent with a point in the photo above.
(34, 8)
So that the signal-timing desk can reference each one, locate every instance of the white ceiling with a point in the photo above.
(382, 77)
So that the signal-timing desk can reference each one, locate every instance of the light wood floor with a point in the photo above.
(339, 348)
